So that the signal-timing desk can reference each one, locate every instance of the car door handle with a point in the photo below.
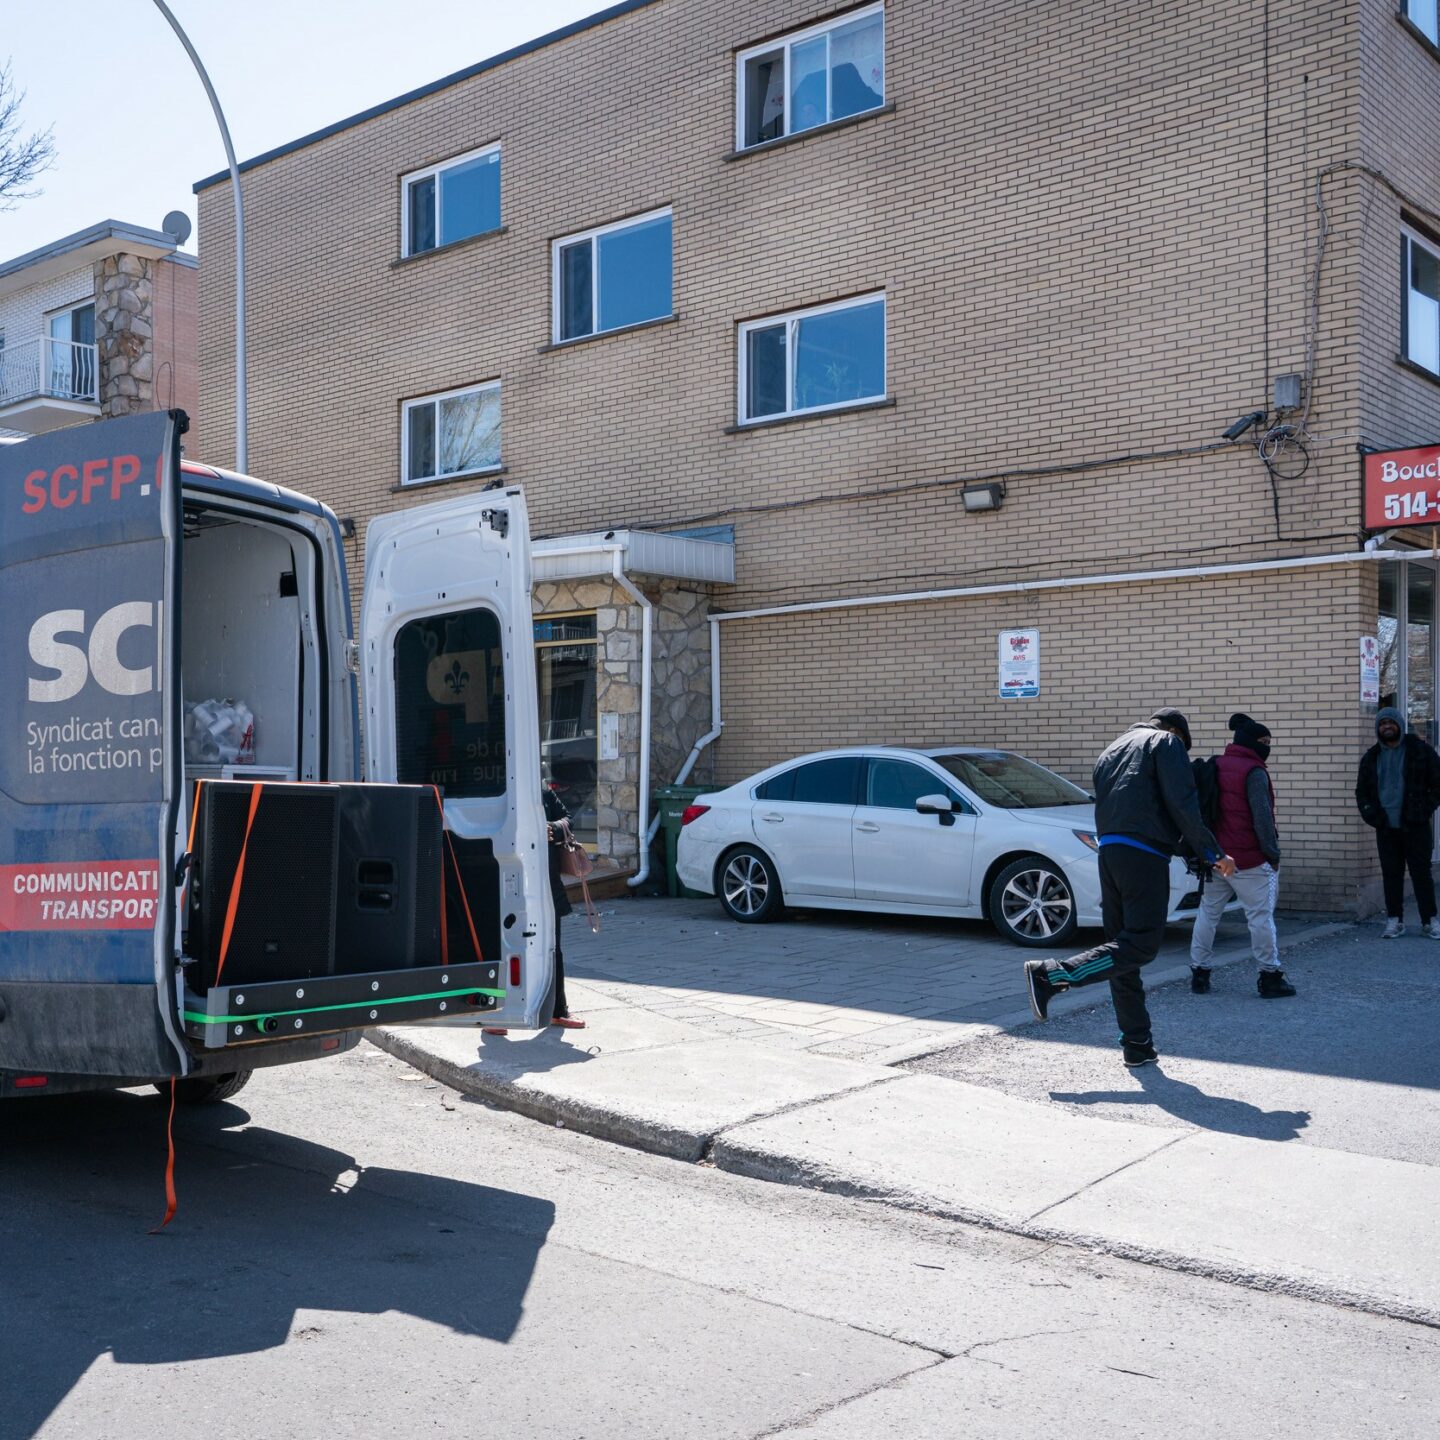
(866, 828)
(774, 819)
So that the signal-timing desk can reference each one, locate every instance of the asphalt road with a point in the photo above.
(361, 1252)
(1350, 1063)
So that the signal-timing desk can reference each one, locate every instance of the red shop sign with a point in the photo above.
(1402, 487)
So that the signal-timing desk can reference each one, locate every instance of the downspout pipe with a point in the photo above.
(716, 723)
(647, 625)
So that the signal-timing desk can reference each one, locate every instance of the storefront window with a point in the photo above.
(565, 657)
(1420, 650)
(1389, 636)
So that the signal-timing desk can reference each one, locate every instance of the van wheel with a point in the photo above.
(748, 887)
(207, 1089)
(1032, 904)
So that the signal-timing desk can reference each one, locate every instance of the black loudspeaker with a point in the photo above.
(387, 902)
(338, 880)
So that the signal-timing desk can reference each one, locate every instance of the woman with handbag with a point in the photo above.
(558, 836)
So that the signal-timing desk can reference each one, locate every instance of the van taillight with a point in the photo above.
(514, 972)
(31, 1082)
(693, 812)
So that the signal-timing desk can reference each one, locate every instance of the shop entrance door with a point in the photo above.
(1410, 644)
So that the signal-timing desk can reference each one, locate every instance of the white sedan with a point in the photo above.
(970, 833)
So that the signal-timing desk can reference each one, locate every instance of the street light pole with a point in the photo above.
(241, 416)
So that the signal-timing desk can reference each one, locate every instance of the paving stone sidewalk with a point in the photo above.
(851, 986)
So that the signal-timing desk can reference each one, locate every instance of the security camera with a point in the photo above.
(1244, 423)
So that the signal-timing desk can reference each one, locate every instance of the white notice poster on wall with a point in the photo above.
(1019, 664)
(1369, 670)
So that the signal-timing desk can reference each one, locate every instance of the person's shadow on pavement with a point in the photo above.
(1189, 1103)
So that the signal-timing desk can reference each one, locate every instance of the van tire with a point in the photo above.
(207, 1089)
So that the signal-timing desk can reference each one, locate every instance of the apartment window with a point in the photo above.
(613, 276)
(457, 433)
(812, 77)
(824, 358)
(1422, 15)
(452, 201)
(1420, 314)
(70, 353)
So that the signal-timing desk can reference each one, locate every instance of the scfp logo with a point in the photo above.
(75, 661)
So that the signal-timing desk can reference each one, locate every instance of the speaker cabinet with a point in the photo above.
(338, 880)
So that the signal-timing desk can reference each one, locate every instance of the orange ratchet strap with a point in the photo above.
(233, 907)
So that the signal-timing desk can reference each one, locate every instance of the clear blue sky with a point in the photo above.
(133, 130)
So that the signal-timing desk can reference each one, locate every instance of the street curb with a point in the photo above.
(659, 1139)
(1073, 1001)
(731, 1155)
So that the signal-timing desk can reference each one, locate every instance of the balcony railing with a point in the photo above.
(48, 368)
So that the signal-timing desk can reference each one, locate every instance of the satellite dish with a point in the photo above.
(177, 226)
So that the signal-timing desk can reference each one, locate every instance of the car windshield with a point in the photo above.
(1011, 781)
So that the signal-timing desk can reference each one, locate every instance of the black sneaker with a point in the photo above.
(1138, 1055)
(1039, 988)
(1273, 985)
(1200, 979)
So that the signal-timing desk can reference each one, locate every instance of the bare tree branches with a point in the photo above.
(22, 156)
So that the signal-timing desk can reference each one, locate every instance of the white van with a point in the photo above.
(133, 586)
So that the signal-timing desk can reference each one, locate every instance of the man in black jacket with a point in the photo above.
(1145, 805)
(1398, 791)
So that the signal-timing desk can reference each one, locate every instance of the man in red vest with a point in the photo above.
(1245, 828)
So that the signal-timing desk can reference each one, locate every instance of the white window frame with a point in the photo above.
(785, 43)
(791, 320)
(556, 286)
(1408, 238)
(406, 247)
(1433, 36)
(435, 399)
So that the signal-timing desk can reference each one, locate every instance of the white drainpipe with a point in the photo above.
(1072, 582)
(647, 612)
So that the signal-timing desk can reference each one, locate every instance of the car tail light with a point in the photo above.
(31, 1082)
(514, 972)
(693, 812)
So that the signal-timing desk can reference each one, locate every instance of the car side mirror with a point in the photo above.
(935, 805)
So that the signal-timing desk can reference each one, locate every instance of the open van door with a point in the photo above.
(448, 675)
(89, 750)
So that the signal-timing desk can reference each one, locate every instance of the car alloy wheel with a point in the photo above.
(1032, 903)
(749, 888)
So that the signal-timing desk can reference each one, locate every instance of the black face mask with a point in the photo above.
(1262, 749)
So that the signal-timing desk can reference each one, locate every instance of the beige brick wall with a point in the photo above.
(1067, 210)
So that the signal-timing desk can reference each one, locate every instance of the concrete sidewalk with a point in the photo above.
(1315, 1221)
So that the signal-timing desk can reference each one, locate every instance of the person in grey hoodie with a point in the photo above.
(1397, 792)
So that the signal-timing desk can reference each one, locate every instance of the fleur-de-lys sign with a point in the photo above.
(457, 677)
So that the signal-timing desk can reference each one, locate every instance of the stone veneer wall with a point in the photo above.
(680, 691)
(124, 334)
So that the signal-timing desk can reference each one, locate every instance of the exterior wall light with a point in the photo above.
(983, 497)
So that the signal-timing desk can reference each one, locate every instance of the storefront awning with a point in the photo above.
(642, 552)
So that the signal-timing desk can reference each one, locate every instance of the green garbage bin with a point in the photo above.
(671, 801)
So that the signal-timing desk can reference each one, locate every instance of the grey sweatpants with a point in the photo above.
(1256, 890)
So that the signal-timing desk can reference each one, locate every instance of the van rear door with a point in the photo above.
(448, 679)
(89, 749)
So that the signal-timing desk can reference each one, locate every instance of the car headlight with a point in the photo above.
(1087, 839)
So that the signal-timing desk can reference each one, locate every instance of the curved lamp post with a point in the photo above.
(241, 449)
